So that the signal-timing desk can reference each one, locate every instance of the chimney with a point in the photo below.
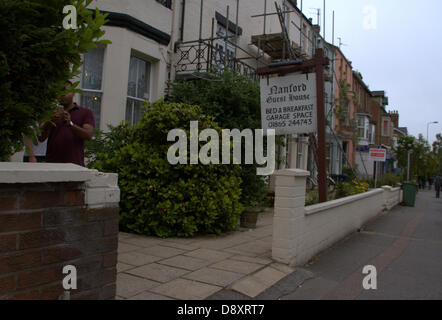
(311, 20)
(317, 28)
(394, 115)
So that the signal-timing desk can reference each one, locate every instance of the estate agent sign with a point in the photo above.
(288, 104)
(379, 155)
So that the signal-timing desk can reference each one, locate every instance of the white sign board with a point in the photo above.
(288, 104)
(379, 155)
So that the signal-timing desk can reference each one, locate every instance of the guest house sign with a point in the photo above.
(288, 104)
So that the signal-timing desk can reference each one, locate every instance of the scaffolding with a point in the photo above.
(199, 57)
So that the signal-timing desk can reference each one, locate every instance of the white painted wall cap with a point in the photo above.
(20, 172)
(292, 173)
(321, 207)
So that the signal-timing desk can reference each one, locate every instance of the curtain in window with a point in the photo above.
(138, 88)
(92, 81)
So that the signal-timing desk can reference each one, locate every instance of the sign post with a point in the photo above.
(377, 155)
(288, 104)
(317, 64)
(322, 173)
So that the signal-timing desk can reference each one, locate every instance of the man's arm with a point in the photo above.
(29, 148)
(46, 129)
(86, 132)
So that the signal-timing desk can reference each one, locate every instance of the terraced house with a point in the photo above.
(159, 40)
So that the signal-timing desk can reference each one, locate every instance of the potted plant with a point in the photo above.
(254, 196)
(249, 217)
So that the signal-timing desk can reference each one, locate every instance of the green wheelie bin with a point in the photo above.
(410, 191)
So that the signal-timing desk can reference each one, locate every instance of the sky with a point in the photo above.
(398, 51)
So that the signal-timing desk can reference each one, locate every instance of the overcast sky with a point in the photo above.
(402, 55)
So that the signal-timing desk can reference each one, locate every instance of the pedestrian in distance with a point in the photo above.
(437, 185)
(430, 183)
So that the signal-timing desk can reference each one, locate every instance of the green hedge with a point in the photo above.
(158, 198)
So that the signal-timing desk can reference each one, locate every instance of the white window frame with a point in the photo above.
(101, 91)
(221, 43)
(361, 127)
(132, 122)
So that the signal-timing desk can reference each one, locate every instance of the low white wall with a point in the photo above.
(302, 232)
(392, 197)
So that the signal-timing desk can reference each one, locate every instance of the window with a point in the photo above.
(166, 3)
(346, 112)
(138, 88)
(361, 127)
(300, 155)
(345, 154)
(329, 156)
(224, 51)
(371, 134)
(91, 82)
(367, 130)
(385, 128)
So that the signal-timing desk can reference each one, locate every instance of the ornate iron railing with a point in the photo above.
(199, 57)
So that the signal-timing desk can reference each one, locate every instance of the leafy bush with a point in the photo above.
(311, 198)
(389, 179)
(108, 143)
(158, 198)
(346, 189)
(234, 101)
(350, 173)
(37, 56)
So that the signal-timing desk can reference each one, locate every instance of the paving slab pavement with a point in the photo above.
(150, 268)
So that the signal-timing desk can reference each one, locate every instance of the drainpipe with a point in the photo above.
(183, 12)
(172, 43)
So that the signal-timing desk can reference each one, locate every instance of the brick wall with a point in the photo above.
(46, 226)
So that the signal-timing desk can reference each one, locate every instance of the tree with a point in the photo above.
(37, 57)
(437, 151)
(423, 162)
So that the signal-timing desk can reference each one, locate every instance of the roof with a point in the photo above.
(342, 54)
(378, 93)
(358, 76)
(404, 130)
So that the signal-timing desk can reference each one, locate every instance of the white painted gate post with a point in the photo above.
(289, 214)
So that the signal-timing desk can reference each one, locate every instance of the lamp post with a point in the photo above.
(428, 128)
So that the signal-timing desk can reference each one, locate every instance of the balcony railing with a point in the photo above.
(199, 57)
(166, 3)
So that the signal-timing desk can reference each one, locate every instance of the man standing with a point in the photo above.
(73, 125)
(437, 185)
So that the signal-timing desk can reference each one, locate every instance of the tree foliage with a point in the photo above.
(37, 57)
(424, 162)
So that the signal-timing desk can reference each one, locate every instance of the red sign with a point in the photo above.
(378, 155)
